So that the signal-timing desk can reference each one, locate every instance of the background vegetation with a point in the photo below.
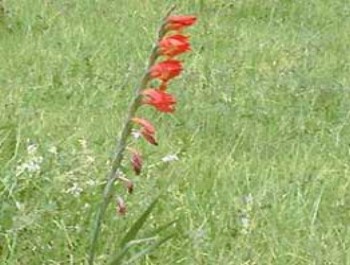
(261, 131)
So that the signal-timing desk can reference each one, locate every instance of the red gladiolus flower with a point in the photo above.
(166, 70)
(174, 45)
(178, 22)
(161, 100)
(136, 161)
(147, 130)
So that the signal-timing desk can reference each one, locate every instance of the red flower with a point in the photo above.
(166, 70)
(147, 130)
(161, 100)
(136, 161)
(174, 45)
(178, 22)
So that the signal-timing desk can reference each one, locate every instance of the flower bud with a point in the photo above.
(121, 206)
(136, 160)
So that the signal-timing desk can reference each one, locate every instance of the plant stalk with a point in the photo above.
(112, 176)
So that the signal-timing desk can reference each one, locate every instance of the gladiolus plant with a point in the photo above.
(164, 67)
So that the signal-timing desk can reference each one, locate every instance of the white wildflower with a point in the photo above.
(90, 159)
(19, 205)
(53, 150)
(170, 158)
(32, 166)
(75, 190)
(119, 173)
(91, 182)
(245, 222)
(136, 134)
(32, 149)
(248, 199)
(83, 143)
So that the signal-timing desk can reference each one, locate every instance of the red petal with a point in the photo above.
(145, 124)
(161, 100)
(166, 70)
(178, 22)
(149, 137)
(174, 45)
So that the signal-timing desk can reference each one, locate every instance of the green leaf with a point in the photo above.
(8, 143)
(132, 232)
(161, 228)
(135, 228)
(117, 260)
(149, 249)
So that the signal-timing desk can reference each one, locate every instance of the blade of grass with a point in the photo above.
(135, 228)
(117, 260)
(149, 249)
(161, 228)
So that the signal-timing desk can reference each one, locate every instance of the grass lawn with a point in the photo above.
(261, 131)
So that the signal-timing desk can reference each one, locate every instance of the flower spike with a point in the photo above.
(169, 44)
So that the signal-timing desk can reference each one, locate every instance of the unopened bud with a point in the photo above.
(129, 186)
(128, 183)
(121, 206)
(149, 137)
(136, 160)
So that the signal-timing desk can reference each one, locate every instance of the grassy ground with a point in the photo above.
(262, 131)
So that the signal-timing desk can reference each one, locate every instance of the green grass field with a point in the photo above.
(261, 131)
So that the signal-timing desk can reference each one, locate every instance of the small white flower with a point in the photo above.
(170, 158)
(83, 143)
(245, 221)
(19, 205)
(53, 150)
(75, 190)
(91, 182)
(248, 199)
(32, 166)
(32, 148)
(136, 134)
(90, 159)
(119, 173)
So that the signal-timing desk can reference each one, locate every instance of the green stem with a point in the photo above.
(108, 193)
